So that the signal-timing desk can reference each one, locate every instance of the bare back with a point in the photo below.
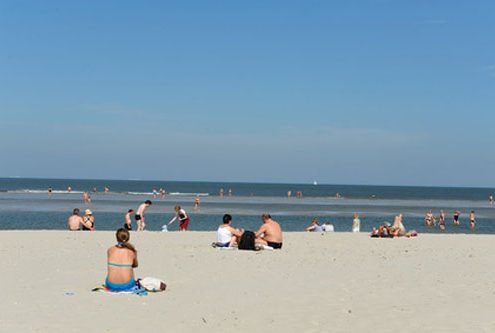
(121, 256)
(141, 209)
(74, 222)
(272, 232)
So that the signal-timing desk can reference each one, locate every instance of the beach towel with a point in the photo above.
(137, 290)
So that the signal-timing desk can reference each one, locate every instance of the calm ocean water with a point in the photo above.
(25, 204)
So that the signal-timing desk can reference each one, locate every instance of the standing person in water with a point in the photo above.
(441, 220)
(472, 220)
(121, 261)
(128, 220)
(140, 215)
(197, 202)
(50, 190)
(356, 223)
(490, 199)
(456, 217)
(183, 218)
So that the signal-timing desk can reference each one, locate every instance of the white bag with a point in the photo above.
(152, 284)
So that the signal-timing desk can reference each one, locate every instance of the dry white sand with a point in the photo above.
(331, 283)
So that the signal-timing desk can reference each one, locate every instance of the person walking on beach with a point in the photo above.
(441, 220)
(183, 218)
(140, 215)
(472, 220)
(270, 233)
(356, 223)
(128, 220)
(221, 192)
(456, 217)
(88, 221)
(75, 220)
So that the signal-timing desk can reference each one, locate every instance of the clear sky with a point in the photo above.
(349, 92)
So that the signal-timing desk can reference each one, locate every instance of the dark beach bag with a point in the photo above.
(247, 241)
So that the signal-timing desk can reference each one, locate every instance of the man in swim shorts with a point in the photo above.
(140, 215)
(270, 233)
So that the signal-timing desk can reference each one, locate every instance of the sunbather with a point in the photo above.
(122, 259)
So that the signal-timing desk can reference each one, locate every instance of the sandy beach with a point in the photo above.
(337, 282)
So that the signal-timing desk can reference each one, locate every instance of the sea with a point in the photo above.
(25, 204)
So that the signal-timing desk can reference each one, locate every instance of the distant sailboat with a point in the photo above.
(315, 183)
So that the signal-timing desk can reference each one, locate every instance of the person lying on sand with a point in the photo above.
(227, 236)
(395, 230)
(315, 226)
(270, 233)
(122, 259)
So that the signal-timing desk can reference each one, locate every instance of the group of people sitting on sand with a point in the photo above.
(268, 235)
(393, 230)
(122, 257)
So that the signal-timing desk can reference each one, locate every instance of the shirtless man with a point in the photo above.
(140, 215)
(75, 220)
(269, 233)
(128, 220)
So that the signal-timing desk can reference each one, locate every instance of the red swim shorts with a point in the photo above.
(184, 224)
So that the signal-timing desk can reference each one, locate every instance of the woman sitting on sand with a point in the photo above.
(88, 221)
(227, 236)
(122, 259)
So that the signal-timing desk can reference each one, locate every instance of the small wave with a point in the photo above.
(189, 194)
(184, 194)
(44, 191)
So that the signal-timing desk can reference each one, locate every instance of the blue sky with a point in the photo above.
(350, 92)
